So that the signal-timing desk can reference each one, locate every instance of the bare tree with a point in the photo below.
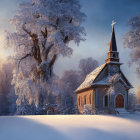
(87, 65)
(67, 84)
(72, 79)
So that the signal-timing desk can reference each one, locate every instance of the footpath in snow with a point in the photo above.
(70, 127)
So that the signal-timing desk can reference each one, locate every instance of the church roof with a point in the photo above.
(90, 78)
(113, 45)
(104, 81)
(116, 77)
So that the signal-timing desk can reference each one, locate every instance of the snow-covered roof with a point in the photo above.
(114, 78)
(104, 81)
(91, 77)
(112, 62)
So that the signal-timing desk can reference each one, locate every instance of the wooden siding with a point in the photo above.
(85, 97)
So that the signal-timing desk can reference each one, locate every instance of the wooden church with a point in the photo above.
(105, 88)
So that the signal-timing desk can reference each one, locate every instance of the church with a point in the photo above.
(105, 88)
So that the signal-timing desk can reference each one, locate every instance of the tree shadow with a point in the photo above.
(96, 134)
(132, 117)
(18, 128)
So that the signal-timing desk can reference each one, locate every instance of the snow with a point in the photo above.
(91, 77)
(112, 62)
(70, 127)
(104, 81)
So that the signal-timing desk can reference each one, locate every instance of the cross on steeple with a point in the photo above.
(113, 23)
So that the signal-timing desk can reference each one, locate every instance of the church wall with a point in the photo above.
(100, 93)
(85, 97)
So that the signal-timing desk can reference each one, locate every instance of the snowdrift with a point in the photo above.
(70, 127)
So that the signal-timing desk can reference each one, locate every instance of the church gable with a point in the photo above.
(126, 81)
(90, 78)
(120, 87)
(119, 78)
(102, 74)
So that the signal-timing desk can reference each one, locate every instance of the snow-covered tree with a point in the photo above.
(71, 79)
(67, 84)
(132, 41)
(6, 99)
(43, 30)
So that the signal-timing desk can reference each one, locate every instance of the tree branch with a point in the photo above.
(52, 63)
(36, 48)
(48, 50)
(45, 33)
(28, 32)
(27, 55)
(70, 20)
(66, 39)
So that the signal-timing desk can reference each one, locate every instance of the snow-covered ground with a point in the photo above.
(70, 127)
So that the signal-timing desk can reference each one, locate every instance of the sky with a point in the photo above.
(100, 14)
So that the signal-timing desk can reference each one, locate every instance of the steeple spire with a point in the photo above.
(113, 46)
(113, 55)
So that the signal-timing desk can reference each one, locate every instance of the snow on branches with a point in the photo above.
(43, 30)
(132, 41)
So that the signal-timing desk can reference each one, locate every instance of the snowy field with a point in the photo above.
(76, 127)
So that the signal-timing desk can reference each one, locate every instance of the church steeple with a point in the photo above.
(113, 55)
(113, 46)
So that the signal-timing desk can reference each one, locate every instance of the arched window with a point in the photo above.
(114, 55)
(106, 100)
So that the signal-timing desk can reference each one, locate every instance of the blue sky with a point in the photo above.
(100, 14)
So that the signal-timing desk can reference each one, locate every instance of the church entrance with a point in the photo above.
(119, 101)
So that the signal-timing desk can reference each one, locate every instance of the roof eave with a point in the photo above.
(83, 89)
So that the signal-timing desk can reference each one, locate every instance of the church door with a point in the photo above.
(119, 101)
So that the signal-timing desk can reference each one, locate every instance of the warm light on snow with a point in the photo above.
(70, 127)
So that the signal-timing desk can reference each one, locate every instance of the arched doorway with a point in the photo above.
(119, 101)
